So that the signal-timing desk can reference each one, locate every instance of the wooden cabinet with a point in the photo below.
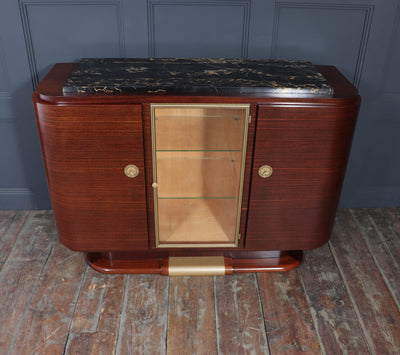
(172, 182)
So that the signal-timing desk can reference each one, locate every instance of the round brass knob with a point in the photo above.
(131, 171)
(265, 171)
(154, 185)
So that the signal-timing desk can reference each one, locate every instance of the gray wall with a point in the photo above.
(361, 38)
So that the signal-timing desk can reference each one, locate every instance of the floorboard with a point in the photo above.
(11, 224)
(334, 316)
(377, 310)
(288, 319)
(45, 325)
(240, 321)
(96, 318)
(144, 316)
(191, 316)
(343, 299)
(21, 274)
(383, 245)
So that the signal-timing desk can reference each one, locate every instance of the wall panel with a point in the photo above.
(360, 37)
(324, 34)
(62, 31)
(198, 29)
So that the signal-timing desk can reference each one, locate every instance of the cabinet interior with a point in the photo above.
(198, 153)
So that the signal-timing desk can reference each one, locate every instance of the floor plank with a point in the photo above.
(191, 321)
(11, 224)
(143, 325)
(342, 299)
(21, 272)
(375, 307)
(335, 319)
(383, 244)
(393, 218)
(45, 327)
(96, 320)
(288, 320)
(388, 224)
(240, 322)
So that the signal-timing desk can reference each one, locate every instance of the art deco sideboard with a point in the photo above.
(194, 166)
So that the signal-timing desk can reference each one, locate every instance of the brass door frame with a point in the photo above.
(154, 167)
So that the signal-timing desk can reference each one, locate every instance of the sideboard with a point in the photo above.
(194, 166)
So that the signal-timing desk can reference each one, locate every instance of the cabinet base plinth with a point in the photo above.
(113, 263)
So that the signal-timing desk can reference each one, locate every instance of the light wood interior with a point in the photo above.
(198, 156)
(198, 174)
(199, 128)
(197, 220)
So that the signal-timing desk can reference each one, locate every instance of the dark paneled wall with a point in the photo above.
(361, 38)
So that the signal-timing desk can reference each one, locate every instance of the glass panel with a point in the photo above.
(198, 168)
(198, 174)
(197, 128)
(197, 220)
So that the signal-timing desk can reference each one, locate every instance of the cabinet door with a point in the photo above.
(86, 148)
(198, 154)
(307, 147)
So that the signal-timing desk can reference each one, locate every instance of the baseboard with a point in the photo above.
(16, 199)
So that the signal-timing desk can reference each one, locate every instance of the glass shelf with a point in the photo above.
(198, 168)
(195, 173)
(193, 128)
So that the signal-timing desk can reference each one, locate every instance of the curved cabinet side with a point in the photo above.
(308, 147)
(85, 150)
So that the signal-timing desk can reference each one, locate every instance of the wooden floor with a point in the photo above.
(343, 299)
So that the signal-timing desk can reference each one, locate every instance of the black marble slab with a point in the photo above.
(283, 78)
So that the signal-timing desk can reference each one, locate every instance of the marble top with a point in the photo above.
(281, 78)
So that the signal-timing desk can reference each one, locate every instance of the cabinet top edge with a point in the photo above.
(50, 89)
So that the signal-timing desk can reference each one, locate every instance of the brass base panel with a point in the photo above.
(196, 266)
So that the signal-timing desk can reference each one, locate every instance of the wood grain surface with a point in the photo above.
(330, 305)
(11, 224)
(97, 314)
(307, 147)
(341, 300)
(191, 318)
(47, 321)
(85, 149)
(288, 319)
(20, 275)
(375, 306)
(240, 321)
(383, 242)
(144, 316)
(88, 139)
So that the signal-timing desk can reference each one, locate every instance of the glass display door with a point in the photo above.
(198, 157)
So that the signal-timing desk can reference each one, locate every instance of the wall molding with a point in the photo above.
(24, 13)
(368, 11)
(3, 65)
(6, 116)
(394, 38)
(15, 191)
(16, 198)
(151, 4)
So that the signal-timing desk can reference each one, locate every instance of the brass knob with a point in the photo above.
(154, 185)
(265, 171)
(131, 171)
